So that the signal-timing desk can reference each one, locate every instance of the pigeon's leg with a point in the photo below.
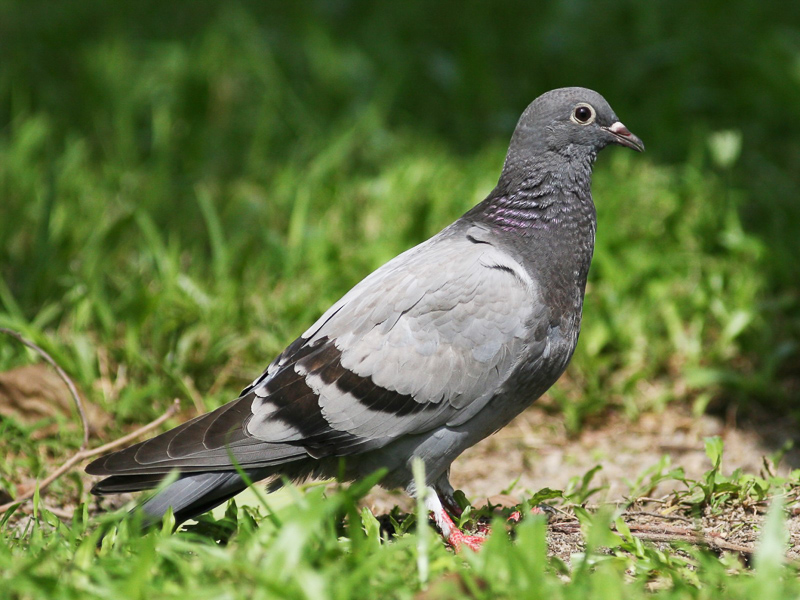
(441, 502)
(451, 534)
(446, 494)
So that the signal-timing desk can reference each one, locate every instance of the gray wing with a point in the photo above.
(424, 341)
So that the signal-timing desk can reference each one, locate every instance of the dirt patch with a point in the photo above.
(536, 449)
(32, 393)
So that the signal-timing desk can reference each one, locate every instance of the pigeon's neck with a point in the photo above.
(547, 219)
(541, 193)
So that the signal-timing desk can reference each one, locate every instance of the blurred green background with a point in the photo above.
(185, 186)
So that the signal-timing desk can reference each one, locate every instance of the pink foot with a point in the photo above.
(516, 516)
(457, 539)
(452, 535)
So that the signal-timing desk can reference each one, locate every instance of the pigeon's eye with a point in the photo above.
(583, 114)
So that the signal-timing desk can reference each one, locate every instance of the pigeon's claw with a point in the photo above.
(447, 498)
(458, 539)
(539, 509)
(451, 534)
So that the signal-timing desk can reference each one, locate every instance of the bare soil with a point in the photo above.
(536, 449)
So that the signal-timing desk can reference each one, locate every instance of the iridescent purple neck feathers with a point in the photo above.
(542, 194)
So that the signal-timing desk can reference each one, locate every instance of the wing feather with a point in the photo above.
(422, 342)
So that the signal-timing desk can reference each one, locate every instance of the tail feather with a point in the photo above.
(192, 495)
(118, 484)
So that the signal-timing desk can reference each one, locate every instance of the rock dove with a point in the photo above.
(434, 351)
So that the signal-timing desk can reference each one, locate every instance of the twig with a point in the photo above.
(660, 528)
(628, 502)
(667, 534)
(646, 499)
(633, 513)
(64, 377)
(698, 540)
(59, 512)
(134, 434)
(565, 526)
(82, 455)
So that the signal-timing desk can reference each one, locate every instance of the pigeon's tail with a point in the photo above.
(205, 452)
(190, 495)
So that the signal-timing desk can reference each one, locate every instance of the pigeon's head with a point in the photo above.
(572, 122)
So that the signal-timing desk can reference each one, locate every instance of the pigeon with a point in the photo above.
(428, 355)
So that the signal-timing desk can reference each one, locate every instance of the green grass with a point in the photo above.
(316, 544)
(183, 192)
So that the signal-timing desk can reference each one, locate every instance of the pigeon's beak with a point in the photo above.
(623, 137)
